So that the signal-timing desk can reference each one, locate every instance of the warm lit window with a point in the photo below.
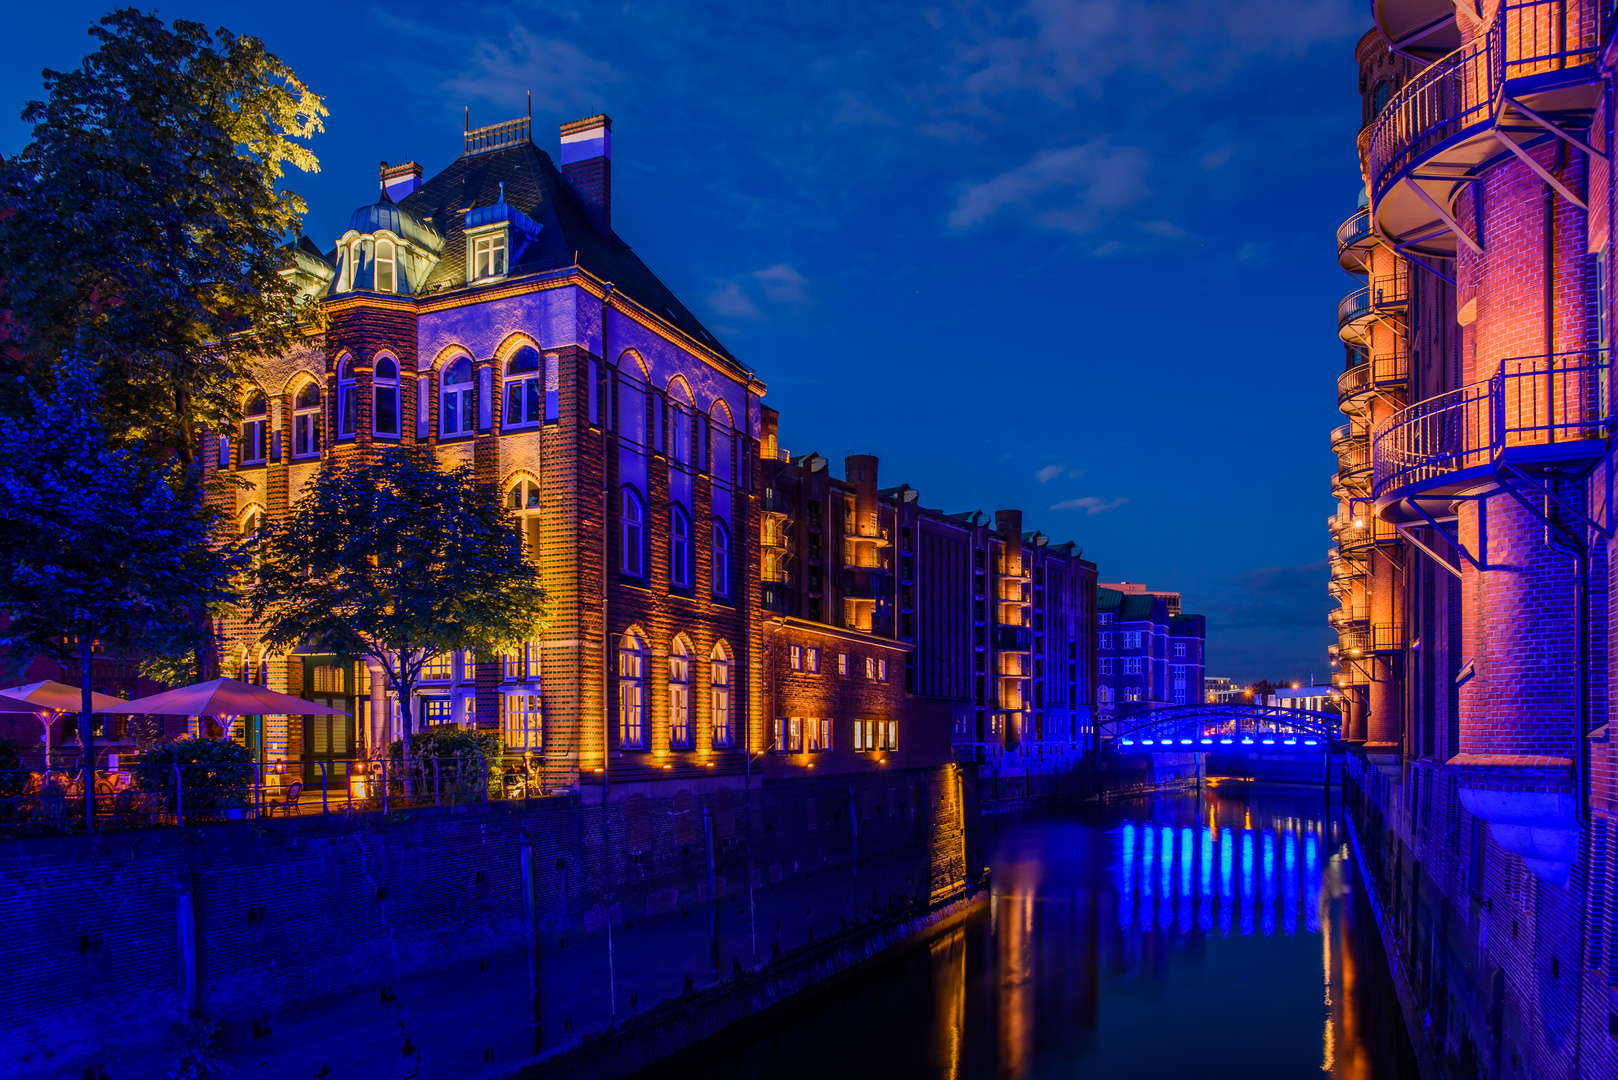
(489, 256)
(631, 693)
(455, 399)
(522, 665)
(436, 711)
(796, 652)
(870, 667)
(348, 403)
(860, 735)
(256, 431)
(1132, 695)
(524, 396)
(882, 670)
(842, 663)
(679, 697)
(385, 395)
(632, 533)
(679, 548)
(438, 668)
(524, 495)
(520, 721)
(721, 559)
(384, 266)
(795, 735)
(306, 422)
(719, 685)
(812, 659)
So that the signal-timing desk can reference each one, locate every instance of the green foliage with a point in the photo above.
(144, 223)
(385, 555)
(13, 782)
(214, 773)
(449, 742)
(99, 541)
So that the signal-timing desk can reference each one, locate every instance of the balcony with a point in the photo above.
(775, 501)
(1354, 242)
(1349, 617)
(1359, 384)
(1536, 414)
(1017, 639)
(1377, 639)
(1424, 29)
(1354, 316)
(1343, 434)
(1476, 107)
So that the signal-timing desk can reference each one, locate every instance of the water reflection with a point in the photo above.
(1222, 934)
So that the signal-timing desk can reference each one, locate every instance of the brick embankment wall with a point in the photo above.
(364, 946)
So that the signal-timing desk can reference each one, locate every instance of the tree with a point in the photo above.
(387, 556)
(99, 544)
(143, 224)
(1263, 689)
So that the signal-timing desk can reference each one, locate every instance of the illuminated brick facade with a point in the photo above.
(1473, 529)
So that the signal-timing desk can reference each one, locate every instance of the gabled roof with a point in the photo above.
(534, 186)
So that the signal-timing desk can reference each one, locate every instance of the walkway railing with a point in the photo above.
(1458, 92)
(1354, 308)
(1356, 230)
(1536, 400)
(40, 802)
(1381, 371)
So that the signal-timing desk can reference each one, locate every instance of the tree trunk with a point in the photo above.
(85, 736)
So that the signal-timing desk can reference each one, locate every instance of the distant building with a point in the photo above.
(1171, 600)
(1146, 655)
(1218, 690)
(1313, 698)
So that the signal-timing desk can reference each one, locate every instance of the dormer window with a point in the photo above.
(384, 266)
(255, 431)
(489, 255)
(522, 389)
(385, 395)
(359, 254)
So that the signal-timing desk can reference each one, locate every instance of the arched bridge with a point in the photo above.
(1220, 727)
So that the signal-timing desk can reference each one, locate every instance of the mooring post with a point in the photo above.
(187, 927)
(531, 926)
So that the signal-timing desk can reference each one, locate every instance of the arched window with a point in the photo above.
(524, 393)
(359, 254)
(252, 522)
(632, 534)
(348, 404)
(721, 558)
(256, 431)
(455, 404)
(679, 547)
(631, 693)
(524, 495)
(719, 685)
(679, 435)
(384, 266)
(385, 395)
(679, 697)
(1379, 98)
(306, 422)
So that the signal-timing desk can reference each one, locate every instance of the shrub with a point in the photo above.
(448, 742)
(214, 773)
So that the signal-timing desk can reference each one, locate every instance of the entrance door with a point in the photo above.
(330, 739)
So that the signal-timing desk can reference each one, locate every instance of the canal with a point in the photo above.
(1220, 934)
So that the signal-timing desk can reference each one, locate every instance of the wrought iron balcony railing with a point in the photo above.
(1381, 373)
(1354, 238)
(1530, 401)
(1353, 313)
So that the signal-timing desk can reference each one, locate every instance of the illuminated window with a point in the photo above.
(795, 735)
(679, 547)
(842, 663)
(359, 255)
(522, 665)
(348, 404)
(524, 495)
(1132, 694)
(796, 652)
(870, 667)
(679, 697)
(440, 668)
(719, 687)
(882, 670)
(632, 533)
(521, 721)
(455, 399)
(306, 422)
(721, 559)
(524, 395)
(489, 256)
(385, 395)
(436, 711)
(384, 266)
(631, 693)
(256, 431)
(812, 659)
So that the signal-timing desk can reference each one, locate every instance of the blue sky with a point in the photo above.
(1074, 256)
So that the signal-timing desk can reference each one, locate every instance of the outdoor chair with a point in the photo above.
(287, 804)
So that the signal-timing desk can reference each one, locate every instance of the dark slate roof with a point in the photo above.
(534, 186)
(1108, 599)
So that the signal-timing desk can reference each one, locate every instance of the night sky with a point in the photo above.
(1075, 256)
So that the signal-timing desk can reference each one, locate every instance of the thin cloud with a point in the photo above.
(1073, 189)
(783, 284)
(728, 301)
(853, 109)
(562, 76)
(1166, 229)
(1090, 504)
(1049, 473)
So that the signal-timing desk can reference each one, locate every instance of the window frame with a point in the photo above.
(348, 406)
(719, 557)
(306, 425)
(255, 445)
(391, 261)
(679, 547)
(524, 388)
(679, 696)
(386, 387)
(721, 705)
(631, 532)
(631, 692)
(465, 395)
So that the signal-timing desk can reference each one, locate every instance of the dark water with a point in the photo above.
(1220, 935)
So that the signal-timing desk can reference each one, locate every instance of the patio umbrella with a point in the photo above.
(48, 700)
(225, 699)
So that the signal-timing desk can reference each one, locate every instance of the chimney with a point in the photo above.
(587, 165)
(400, 180)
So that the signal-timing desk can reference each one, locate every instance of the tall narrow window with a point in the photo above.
(348, 405)
(359, 257)
(724, 734)
(455, 406)
(384, 266)
(632, 534)
(721, 559)
(631, 693)
(679, 448)
(385, 396)
(523, 390)
(489, 256)
(256, 431)
(306, 422)
(679, 697)
(679, 548)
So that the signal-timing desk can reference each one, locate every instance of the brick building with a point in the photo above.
(1473, 528)
(1149, 652)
